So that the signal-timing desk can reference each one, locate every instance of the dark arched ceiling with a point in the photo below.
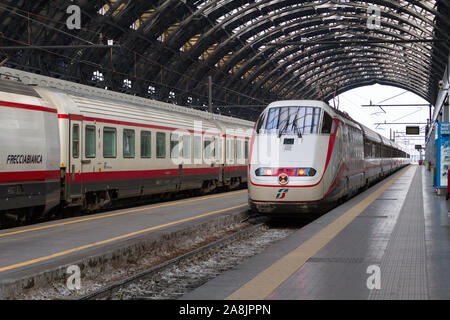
(255, 51)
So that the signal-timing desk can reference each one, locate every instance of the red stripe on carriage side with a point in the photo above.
(26, 106)
(195, 171)
(121, 175)
(235, 168)
(142, 174)
(234, 136)
(29, 176)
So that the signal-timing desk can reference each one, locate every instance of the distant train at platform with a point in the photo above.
(306, 157)
(62, 149)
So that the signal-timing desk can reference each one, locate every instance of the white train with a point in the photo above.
(306, 156)
(62, 149)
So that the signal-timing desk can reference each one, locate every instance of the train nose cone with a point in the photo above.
(283, 179)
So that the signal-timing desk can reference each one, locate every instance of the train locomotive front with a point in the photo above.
(296, 156)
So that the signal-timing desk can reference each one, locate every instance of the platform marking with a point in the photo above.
(95, 244)
(173, 203)
(263, 284)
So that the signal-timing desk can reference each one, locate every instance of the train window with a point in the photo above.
(293, 120)
(232, 148)
(367, 149)
(219, 148)
(76, 141)
(146, 143)
(90, 142)
(128, 143)
(174, 146)
(246, 150)
(215, 149)
(260, 122)
(160, 145)
(315, 121)
(326, 123)
(272, 120)
(197, 147)
(186, 147)
(238, 149)
(109, 142)
(207, 148)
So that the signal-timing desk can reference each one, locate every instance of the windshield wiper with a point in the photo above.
(296, 129)
(280, 133)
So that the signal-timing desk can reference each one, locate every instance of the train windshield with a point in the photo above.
(293, 120)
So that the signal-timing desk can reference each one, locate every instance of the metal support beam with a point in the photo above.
(210, 94)
(394, 105)
(390, 123)
(81, 46)
(353, 42)
(444, 89)
(445, 113)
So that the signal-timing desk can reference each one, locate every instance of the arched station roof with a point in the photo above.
(256, 51)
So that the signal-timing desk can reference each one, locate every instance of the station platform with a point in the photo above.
(390, 242)
(40, 253)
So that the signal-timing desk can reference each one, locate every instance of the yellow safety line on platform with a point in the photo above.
(62, 253)
(122, 213)
(263, 284)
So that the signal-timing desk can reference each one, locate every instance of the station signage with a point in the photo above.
(413, 130)
(442, 145)
(445, 128)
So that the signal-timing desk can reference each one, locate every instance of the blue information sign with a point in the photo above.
(442, 154)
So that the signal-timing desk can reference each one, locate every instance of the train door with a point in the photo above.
(75, 167)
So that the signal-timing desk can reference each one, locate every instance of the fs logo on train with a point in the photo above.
(282, 193)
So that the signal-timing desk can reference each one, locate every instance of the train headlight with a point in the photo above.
(265, 172)
(309, 172)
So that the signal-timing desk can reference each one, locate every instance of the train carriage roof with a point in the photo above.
(371, 135)
(18, 88)
(387, 142)
(141, 111)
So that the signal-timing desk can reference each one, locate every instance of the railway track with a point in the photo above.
(184, 273)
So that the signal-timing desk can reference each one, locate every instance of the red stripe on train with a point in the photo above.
(236, 168)
(143, 174)
(29, 176)
(26, 106)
